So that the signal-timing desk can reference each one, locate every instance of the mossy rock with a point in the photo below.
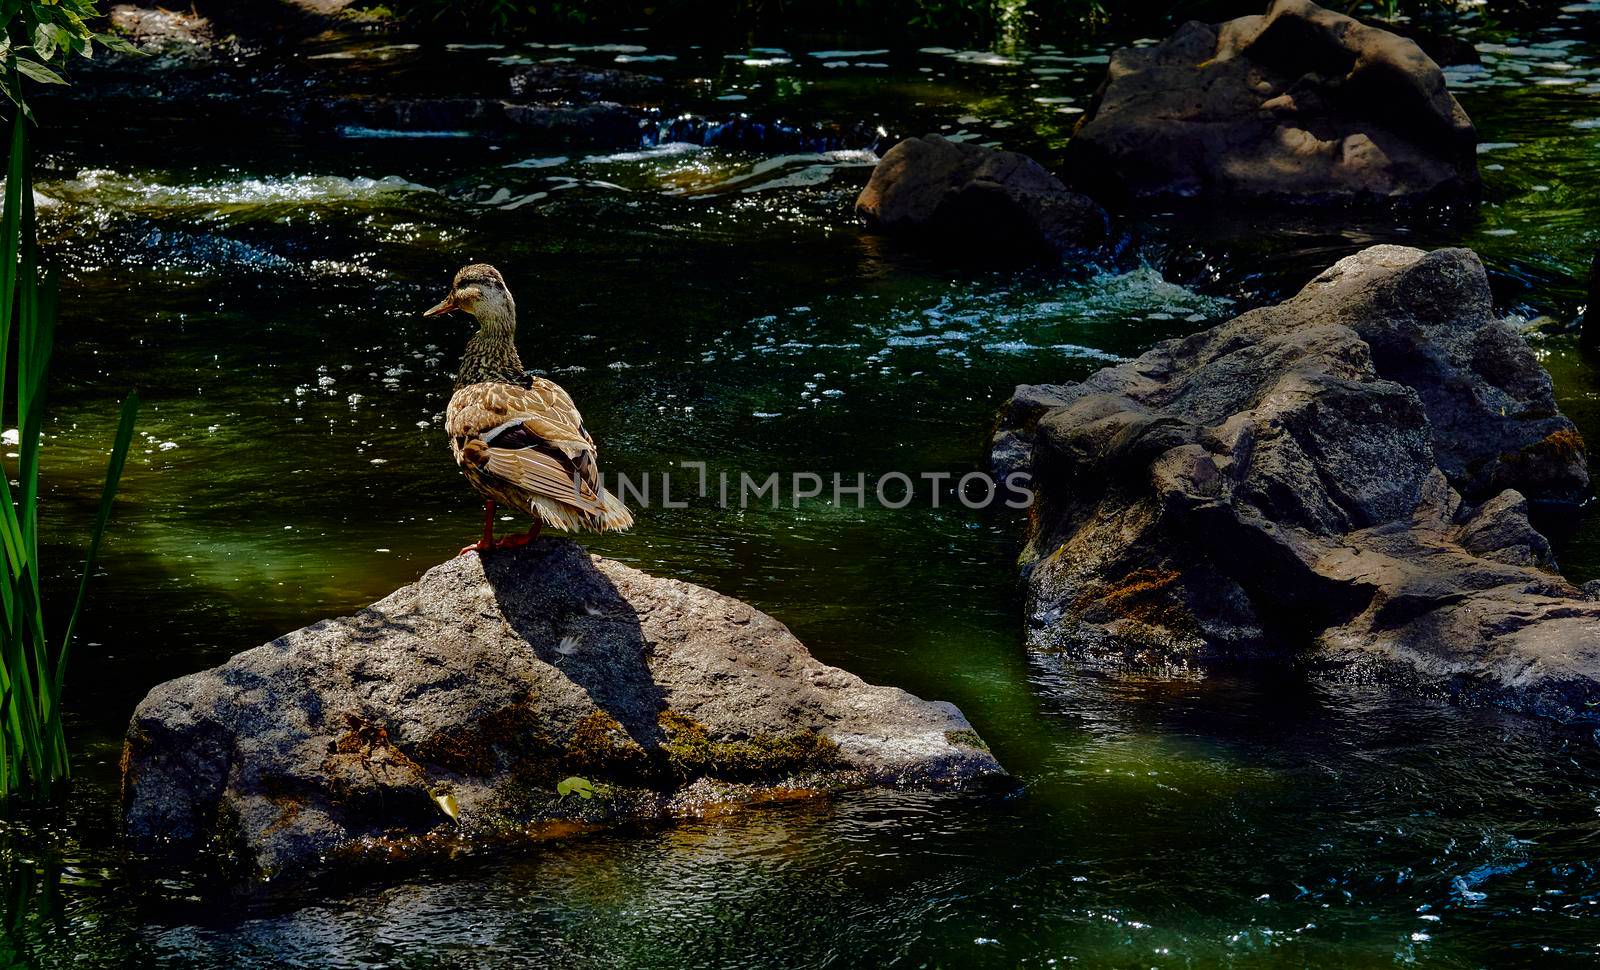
(692, 751)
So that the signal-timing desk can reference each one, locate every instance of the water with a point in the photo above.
(261, 284)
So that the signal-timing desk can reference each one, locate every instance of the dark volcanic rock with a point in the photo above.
(979, 200)
(1337, 480)
(485, 684)
(1299, 104)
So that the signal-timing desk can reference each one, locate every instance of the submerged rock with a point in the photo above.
(1299, 104)
(978, 200)
(1341, 480)
(481, 687)
(297, 64)
(599, 124)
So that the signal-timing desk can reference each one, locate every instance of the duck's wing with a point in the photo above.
(529, 437)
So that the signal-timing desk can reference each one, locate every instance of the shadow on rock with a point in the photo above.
(576, 621)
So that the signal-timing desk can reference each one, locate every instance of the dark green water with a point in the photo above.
(262, 289)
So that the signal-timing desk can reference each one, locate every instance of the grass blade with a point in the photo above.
(33, 747)
(119, 458)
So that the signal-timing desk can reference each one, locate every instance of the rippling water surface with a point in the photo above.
(261, 286)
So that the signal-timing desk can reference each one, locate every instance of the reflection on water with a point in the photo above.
(1197, 823)
(715, 301)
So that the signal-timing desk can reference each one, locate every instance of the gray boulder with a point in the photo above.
(1340, 481)
(982, 201)
(1298, 104)
(478, 689)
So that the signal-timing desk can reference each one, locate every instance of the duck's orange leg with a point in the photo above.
(511, 542)
(487, 542)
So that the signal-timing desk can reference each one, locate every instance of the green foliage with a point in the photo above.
(582, 787)
(33, 747)
(42, 33)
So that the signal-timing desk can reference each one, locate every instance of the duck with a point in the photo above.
(518, 438)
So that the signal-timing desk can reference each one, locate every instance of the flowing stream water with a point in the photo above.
(261, 286)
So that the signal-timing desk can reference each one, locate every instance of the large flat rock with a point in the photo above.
(485, 684)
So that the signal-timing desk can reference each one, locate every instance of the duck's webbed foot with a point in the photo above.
(489, 542)
(513, 542)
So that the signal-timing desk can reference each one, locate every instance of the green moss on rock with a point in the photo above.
(966, 739)
(598, 745)
(692, 752)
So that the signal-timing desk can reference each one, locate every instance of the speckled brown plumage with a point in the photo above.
(520, 440)
(526, 447)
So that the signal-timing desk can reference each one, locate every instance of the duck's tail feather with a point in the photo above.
(608, 514)
(614, 516)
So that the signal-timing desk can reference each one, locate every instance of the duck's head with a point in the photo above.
(479, 290)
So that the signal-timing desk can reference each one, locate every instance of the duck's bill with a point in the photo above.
(443, 306)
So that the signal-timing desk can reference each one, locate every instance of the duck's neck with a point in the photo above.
(492, 353)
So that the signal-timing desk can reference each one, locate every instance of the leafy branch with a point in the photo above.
(41, 36)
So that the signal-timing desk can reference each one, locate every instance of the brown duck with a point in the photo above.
(519, 439)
